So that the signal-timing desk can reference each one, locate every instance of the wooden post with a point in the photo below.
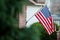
(58, 35)
(22, 18)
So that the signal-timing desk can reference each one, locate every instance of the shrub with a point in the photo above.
(37, 32)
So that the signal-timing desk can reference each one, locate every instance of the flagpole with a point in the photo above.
(31, 16)
(29, 19)
(34, 14)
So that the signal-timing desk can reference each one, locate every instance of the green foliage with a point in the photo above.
(9, 23)
(9, 9)
(38, 32)
(12, 34)
(24, 34)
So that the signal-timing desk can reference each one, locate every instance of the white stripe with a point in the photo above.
(51, 23)
(46, 20)
(43, 24)
(49, 20)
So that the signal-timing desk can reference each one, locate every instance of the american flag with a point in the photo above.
(46, 20)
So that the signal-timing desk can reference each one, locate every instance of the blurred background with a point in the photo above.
(18, 23)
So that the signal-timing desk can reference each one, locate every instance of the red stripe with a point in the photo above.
(44, 23)
(46, 20)
(50, 22)
(53, 26)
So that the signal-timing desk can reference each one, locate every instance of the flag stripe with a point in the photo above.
(51, 23)
(53, 26)
(46, 20)
(43, 24)
(49, 20)
(43, 21)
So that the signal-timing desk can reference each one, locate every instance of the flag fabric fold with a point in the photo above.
(45, 18)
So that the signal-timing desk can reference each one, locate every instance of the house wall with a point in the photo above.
(22, 18)
(55, 9)
(31, 11)
(58, 35)
(40, 1)
(55, 6)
